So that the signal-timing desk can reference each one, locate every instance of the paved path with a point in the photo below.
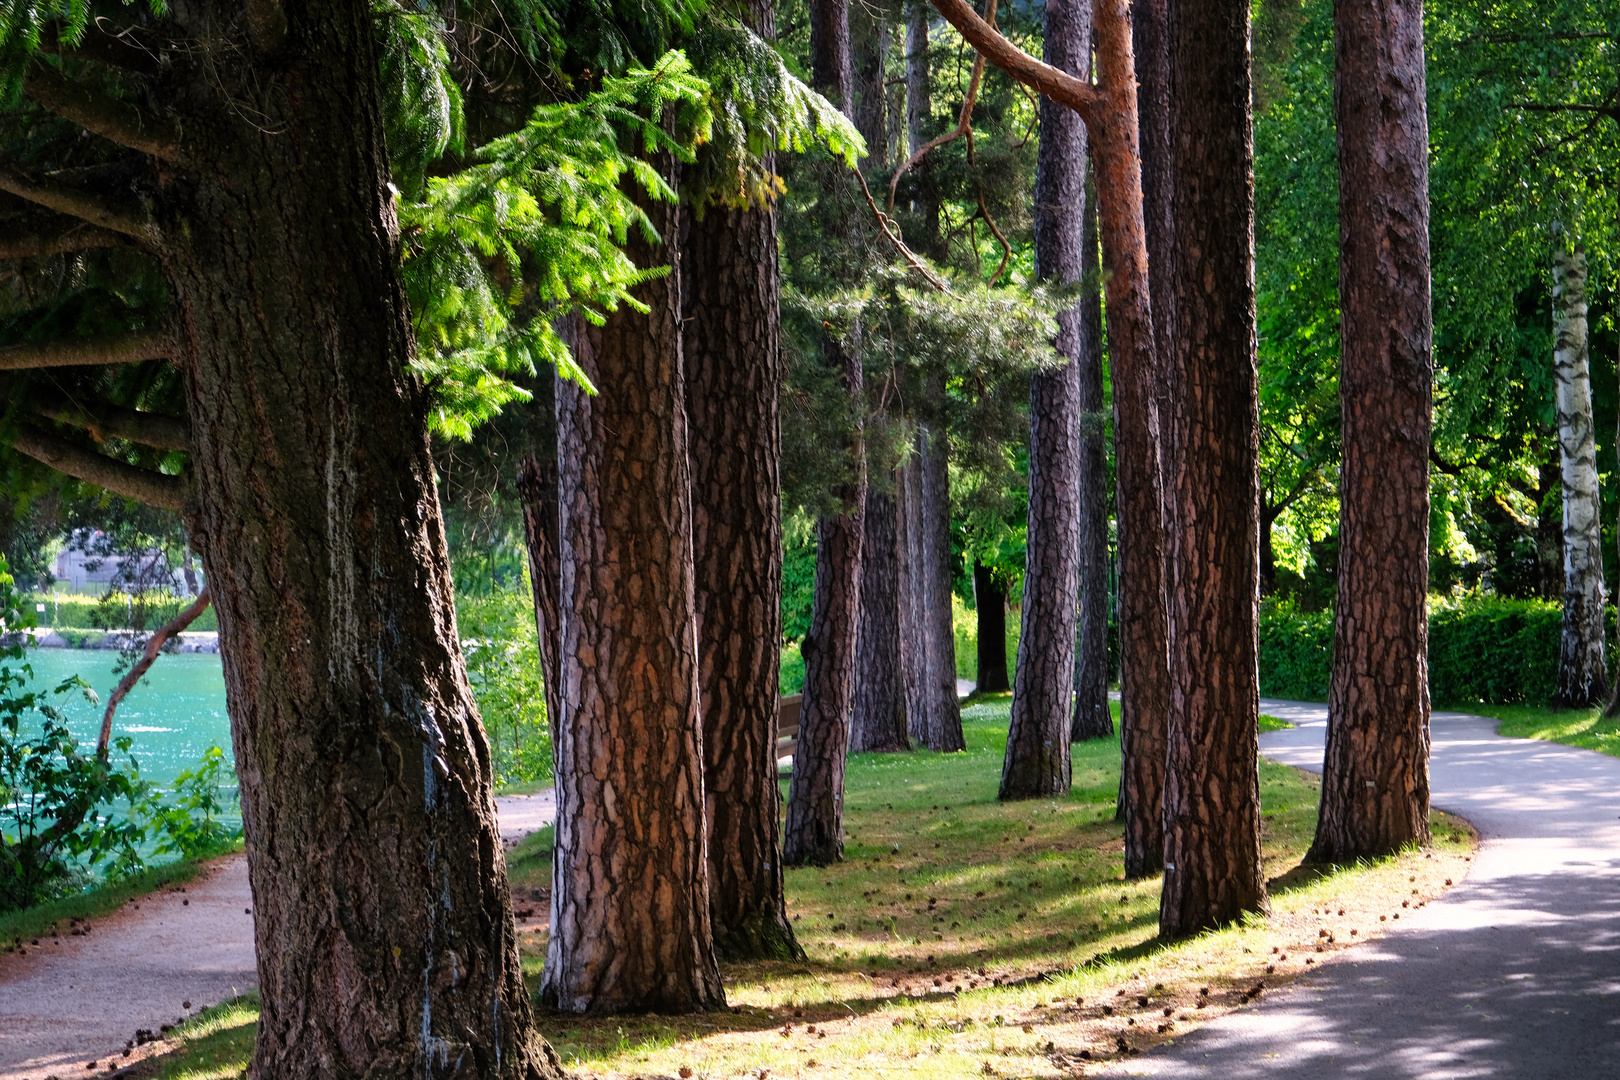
(1514, 973)
(73, 999)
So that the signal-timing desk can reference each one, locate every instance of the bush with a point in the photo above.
(85, 611)
(1482, 650)
(503, 665)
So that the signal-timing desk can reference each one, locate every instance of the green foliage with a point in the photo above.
(26, 24)
(82, 611)
(424, 118)
(503, 665)
(191, 827)
(798, 575)
(1482, 650)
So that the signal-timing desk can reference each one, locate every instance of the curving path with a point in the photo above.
(74, 999)
(1514, 973)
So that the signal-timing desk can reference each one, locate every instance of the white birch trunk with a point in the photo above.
(1582, 676)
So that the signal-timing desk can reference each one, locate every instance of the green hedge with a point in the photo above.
(80, 611)
(1481, 650)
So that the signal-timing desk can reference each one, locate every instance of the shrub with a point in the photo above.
(503, 665)
(85, 611)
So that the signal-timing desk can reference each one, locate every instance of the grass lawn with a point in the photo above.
(1585, 728)
(962, 937)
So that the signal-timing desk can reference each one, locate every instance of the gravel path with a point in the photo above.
(1514, 973)
(75, 999)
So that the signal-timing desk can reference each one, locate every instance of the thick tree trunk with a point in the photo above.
(1092, 720)
(990, 609)
(1375, 781)
(630, 928)
(878, 718)
(1582, 673)
(869, 38)
(383, 923)
(1037, 758)
(1212, 871)
(815, 814)
(913, 641)
(732, 351)
(831, 66)
(537, 487)
(944, 732)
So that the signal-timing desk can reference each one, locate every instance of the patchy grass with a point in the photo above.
(31, 922)
(1273, 723)
(213, 1045)
(962, 936)
(1585, 728)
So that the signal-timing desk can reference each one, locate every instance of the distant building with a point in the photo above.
(85, 566)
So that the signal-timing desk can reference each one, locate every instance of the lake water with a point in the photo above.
(174, 715)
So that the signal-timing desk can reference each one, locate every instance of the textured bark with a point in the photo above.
(537, 486)
(831, 66)
(1212, 871)
(990, 609)
(1582, 674)
(924, 199)
(944, 717)
(913, 642)
(1375, 781)
(382, 918)
(1092, 720)
(89, 351)
(815, 813)
(869, 39)
(878, 713)
(630, 927)
(1037, 758)
(733, 355)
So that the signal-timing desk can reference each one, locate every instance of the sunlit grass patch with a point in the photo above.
(213, 1045)
(1585, 728)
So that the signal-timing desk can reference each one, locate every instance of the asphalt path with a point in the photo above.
(1513, 973)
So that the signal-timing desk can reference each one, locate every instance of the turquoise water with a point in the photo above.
(174, 715)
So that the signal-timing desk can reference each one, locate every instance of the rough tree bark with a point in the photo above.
(913, 642)
(1212, 871)
(733, 357)
(869, 39)
(382, 918)
(630, 927)
(815, 815)
(990, 610)
(1375, 780)
(1037, 757)
(1092, 720)
(1582, 673)
(944, 730)
(878, 717)
(832, 67)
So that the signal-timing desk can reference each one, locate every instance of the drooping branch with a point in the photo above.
(1060, 86)
(127, 683)
(40, 234)
(964, 123)
(119, 477)
(123, 122)
(103, 421)
(96, 207)
(87, 351)
(885, 222)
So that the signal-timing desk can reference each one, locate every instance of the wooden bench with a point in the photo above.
(787, 725)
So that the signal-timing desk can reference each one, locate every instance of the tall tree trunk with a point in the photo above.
(1037, 758)
(919, 105)
(869, 40)
(1092, 720)
(1375, 779)
(383, 923)
(1212, 871)
(913, 641)
(990, 608)
(878, 718)
(1268, 555)
(630, 928)
(815, 813)
(731, 343)
(1582, 673)
(831, 65)
(944, 711)
(537, 487)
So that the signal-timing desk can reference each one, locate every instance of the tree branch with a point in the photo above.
(119, 50)
(87, 351)
(56, 237)
(127, 683)
(1060, 86)
(120, 478)
(124, 122)
(964, 122)
(98, 208)
(103, 420)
